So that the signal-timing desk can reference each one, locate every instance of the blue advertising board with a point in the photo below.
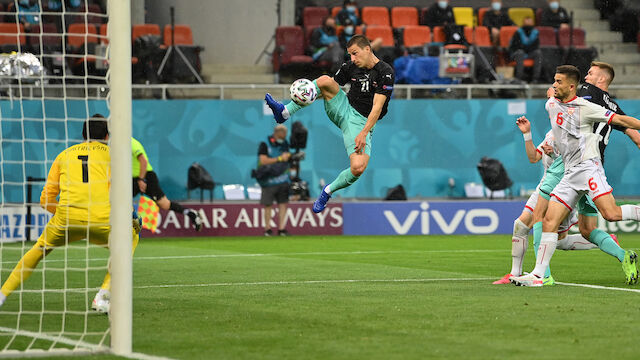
(430, 217)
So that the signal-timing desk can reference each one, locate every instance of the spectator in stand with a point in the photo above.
(325, 45)
(525, 44)
(348, 11)
(29, 13)
(496, 18)
(607, 7)
(440, 14)
(347, 33)
(554, 15)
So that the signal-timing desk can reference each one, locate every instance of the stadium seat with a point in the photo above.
(438, 34)
(463, 16)
(506, 32)
(103, 34)
(375, 15)
(416, 36)
(80, 34)
(45, 35)
(468, 34)
(538, 16)
(312, 16)
(182, 35)
(564, 37)
(144, 29)
(481, 36)
(402, 16)
(481, 13)
(384, 32)
(517, 14)
(336, 9)
(289, 47)
(547, 36)
(309, 30)
(12, 36)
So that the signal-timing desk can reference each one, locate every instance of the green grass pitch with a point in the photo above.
(380, 297)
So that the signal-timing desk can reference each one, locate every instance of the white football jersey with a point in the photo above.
(547, 160)
(572, 126)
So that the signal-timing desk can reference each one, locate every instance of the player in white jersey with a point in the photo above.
(553, 171)
(572, 120)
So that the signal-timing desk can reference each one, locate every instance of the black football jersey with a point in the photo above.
(365, 83)
(598, 96)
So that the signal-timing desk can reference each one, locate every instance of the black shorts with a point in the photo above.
(154, 191)
(278, 193)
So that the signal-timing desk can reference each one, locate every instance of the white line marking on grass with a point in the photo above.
(308, 282)
(599, 287)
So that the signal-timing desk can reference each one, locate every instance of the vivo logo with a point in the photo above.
(429, 218)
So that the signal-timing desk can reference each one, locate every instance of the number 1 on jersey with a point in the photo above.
(85, 167)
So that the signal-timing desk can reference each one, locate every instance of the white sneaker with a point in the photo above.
(526, 280)
(101, 304)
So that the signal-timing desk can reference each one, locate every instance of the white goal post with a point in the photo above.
(50, 312)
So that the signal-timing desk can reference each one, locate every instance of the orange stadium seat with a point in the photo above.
(481, 13)
(438, 34)
(182, 35)
(481, 36)
(375, 15)
(144, 29)
(313, 15)
(518, 14)
(384, 32)
(402, 16)
(9, 38)
(103, 34)
(468, 34)
(416, 35)
(506, 32)
(564, 37)
(80, 34)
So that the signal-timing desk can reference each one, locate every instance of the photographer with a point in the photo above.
(273, 176)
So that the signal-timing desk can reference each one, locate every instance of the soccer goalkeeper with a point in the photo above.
(81, 176)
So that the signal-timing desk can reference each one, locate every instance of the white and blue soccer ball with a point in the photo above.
(303, 92)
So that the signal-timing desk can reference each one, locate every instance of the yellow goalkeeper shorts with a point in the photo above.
(61, 231)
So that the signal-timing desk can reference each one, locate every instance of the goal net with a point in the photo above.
(54, 75)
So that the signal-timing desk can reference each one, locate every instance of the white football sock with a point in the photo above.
(548, 245)
(630, 212)
(519, 243)
(575, 242)
(327, 189)
(104, 294)
(285, 113)
(2, 298)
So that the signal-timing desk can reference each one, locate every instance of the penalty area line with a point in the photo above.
(599, 287)
(309, 282)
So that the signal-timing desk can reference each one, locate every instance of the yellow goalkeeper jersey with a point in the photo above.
(81, 176)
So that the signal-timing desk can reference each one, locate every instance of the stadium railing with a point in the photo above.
(220, 91)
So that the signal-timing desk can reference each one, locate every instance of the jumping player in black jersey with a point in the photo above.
(356, 114)
(595, 89)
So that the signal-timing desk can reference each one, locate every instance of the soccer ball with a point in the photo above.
(303, 92)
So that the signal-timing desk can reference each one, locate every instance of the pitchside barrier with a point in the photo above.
(349, 218)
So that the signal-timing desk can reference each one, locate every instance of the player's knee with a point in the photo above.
(324, 81)
(586, 229)
(358, 167)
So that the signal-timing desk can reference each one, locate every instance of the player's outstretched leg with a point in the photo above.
(519, 244)
(23, 270)
(346, 178)
(326, 87)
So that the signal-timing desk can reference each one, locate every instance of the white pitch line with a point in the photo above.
(599, 287)
(308, 282)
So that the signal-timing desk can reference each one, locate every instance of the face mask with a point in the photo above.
(554, 5)
(279, 141)
(443, 4)
(496, 6)
(351, 9)
(348, 30)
